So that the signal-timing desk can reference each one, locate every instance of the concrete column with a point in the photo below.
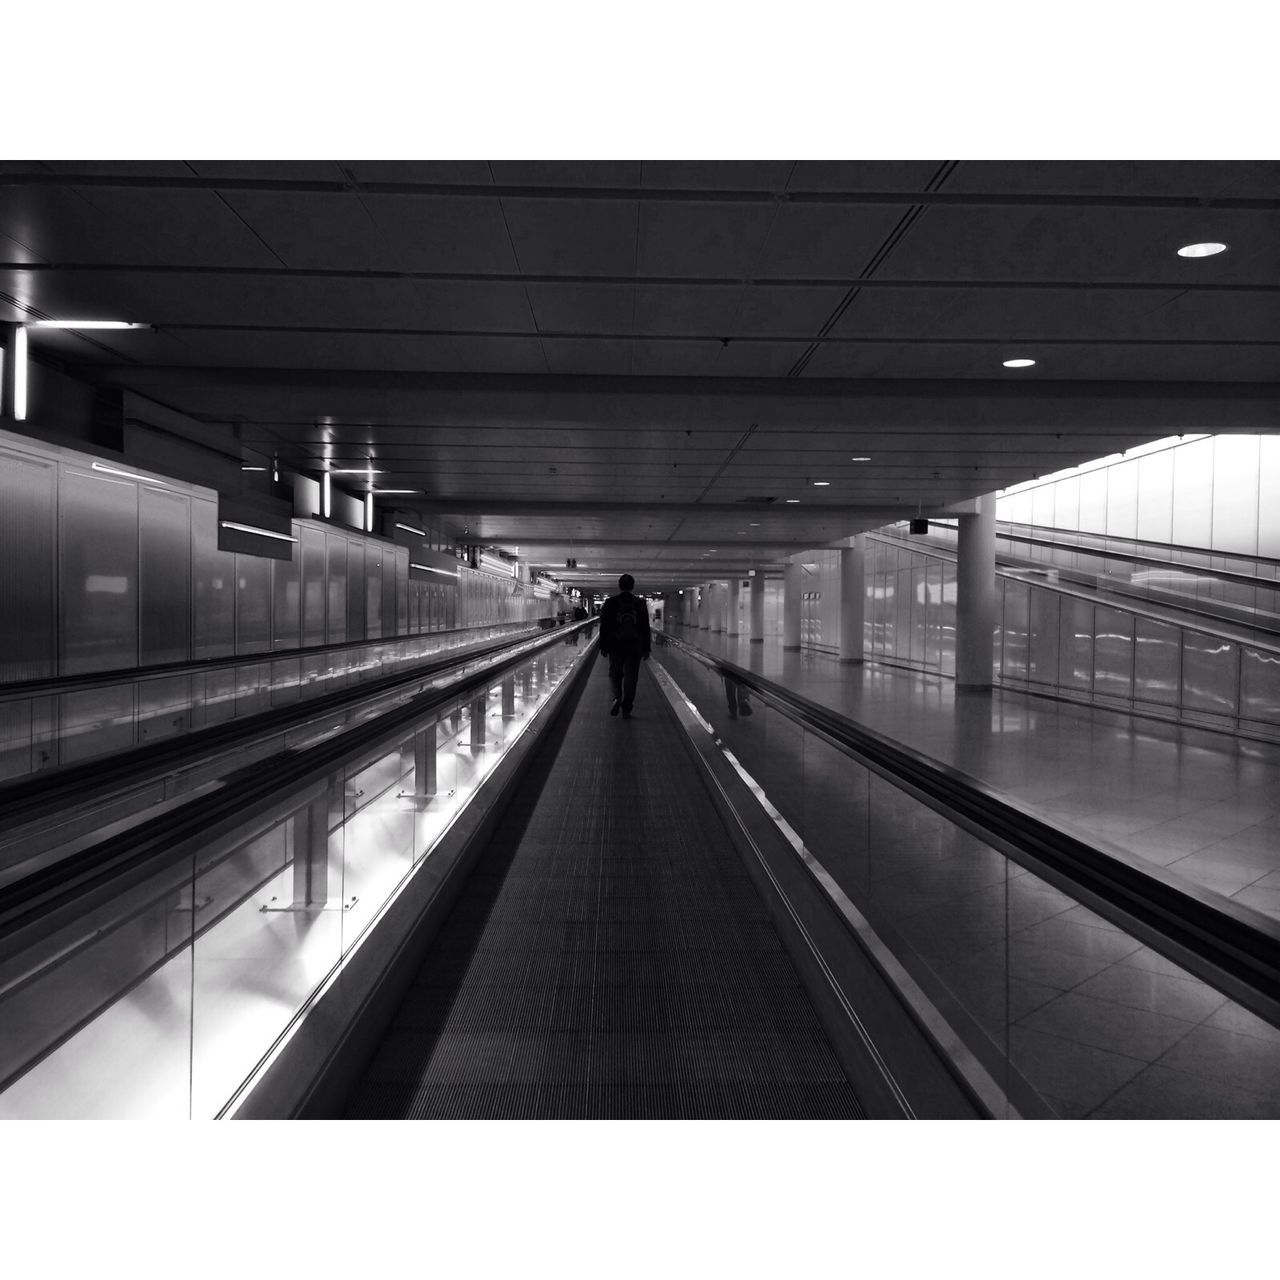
(732, 625)
(424, 761)
(479, 709)
(853, 599)
(508, 697)
(793, 584)
(719, 598)
(704, 607)
(976, 595)
(757, 606)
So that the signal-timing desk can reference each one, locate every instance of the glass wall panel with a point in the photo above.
(1193, 493)
(1042, 504)
(98, 546)
(1269, 497)
(1016, 616)
(286, 599)
(948, 619)
(313, 590)
(1235, 494)
(1093, 501)
(336, 570)
(28, 568)
(253, 603)
(1209, 673)
(373, 590)
(918, 607)
(1066, 503)
(355, 591)
(400, 596)
(213, 576)
(164, 576)
(1122, 499)
(1155, 661)
(1043, 641)
(933, 621)
(1260, 686)
(1113, 653)
(1155, 496)
(391, 626)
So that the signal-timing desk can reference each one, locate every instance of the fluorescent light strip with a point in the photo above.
(380, 492)
(408, 528)
(20, 374)
(253, 528)
(354, 471)
(128, 475)
(86, 324)
(426, 568)
(243, 468)
(498, 566)
(368, 513)
(326, 495)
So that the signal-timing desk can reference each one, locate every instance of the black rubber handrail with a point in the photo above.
(26, 798)
(1233, 947)
(113, 864)
(50, 685)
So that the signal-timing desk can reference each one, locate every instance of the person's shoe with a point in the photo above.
(744, 708)
(626, 713)
(617, 703)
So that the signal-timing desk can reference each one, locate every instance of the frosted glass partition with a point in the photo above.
(1051, 641)
(53, 726)
(190, 974)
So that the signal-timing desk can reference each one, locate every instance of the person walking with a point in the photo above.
(624, 640)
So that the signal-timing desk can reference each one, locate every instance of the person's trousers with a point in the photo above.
(624, 671)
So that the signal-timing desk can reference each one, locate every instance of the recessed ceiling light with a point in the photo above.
(755, 524)
(793, 499)
(1017, 364)
(1206, 250)
(821, 483)
(859, 459)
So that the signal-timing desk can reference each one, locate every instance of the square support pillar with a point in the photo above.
(757, 606)
(733, 625)
(976, 595)
(311, 841)
(853, 599)
(793, 585)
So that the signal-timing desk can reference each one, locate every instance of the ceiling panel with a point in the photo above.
(459, 172)
(679, 239)
(574, 237)
(381, 233)
(129, 225)
(732, 175)
(1203, 179)
(824, 242)
(863, 175)
(567, 173)
(583, 309)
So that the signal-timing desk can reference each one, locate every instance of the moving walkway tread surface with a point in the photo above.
(609, 956)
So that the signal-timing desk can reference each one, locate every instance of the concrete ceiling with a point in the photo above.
(637, 364)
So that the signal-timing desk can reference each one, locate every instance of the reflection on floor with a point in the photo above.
(1098, 1024)
(181, 1041)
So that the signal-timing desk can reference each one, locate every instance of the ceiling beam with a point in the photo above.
(689, 195)
(1187, 285)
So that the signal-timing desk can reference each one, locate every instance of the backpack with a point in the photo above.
(626, 624)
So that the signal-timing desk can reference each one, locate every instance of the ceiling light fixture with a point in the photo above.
(354, 471)
(243, 468)
(408, 528)
(20, 373)
(859, 459)
(368, 513)
(381, 492)
(86, 324)
(822, 484)
(793, 499)
(128, 475)
(251, 528)
(1021, 363)
(1206, 250)
(326, 495)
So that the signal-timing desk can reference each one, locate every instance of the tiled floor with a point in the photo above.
(1096, 1023)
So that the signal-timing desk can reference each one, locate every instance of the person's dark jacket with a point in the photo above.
(609, 622)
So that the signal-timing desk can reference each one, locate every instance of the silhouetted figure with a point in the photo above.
(738, 697)
(624, 640)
